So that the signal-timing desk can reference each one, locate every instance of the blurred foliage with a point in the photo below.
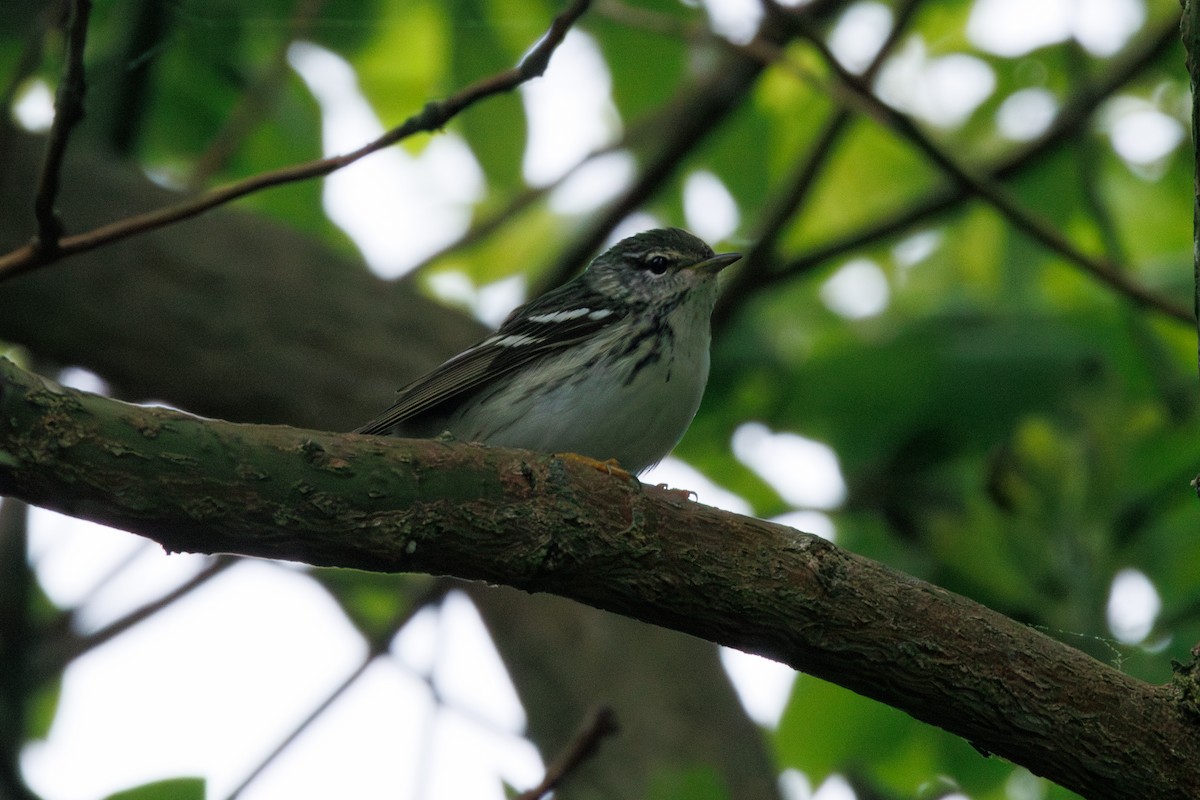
(696, 784)
(1006, 426)
(172, 789)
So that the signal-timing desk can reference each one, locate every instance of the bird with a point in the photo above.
(610, 366)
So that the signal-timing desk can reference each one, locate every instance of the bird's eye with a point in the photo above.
(657, 264)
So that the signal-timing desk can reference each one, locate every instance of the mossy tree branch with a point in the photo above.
(545, 524)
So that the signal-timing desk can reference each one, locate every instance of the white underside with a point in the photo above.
(591, 411)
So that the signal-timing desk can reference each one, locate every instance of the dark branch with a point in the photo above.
(1034, 226)
(796, 189)
(71, 646)
(377, 647)
(434, 116)
(601, 724)
(542, 524)
(681, 126)
(1190, 30)
(68, 112)
(1072, 116)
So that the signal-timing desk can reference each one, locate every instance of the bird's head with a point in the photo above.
(660, 266)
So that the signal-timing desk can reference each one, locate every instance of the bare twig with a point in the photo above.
(68, 111)
(599, 725)
(435, 115)
(376, 647)
(1074, 113)
(488, 224)
(796, 189)
(26, 65)
(684, 123)
(635, 133)
(1190, 31)
(997, 196)
(304, 724)
(62, 652)
(257, 100)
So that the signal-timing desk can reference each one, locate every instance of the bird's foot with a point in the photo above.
(679, 494)
(608, 466)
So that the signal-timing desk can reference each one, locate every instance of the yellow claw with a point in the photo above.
(609, 466)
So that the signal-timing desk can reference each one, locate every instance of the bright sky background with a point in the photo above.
(210, 687)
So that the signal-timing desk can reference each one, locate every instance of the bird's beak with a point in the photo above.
(712, 266)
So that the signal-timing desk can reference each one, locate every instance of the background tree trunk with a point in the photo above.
(233, 317)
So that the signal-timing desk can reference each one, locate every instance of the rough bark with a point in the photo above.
(544, 524)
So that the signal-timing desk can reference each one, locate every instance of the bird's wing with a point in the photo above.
(529, 333)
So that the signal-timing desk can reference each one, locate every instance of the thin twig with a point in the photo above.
(991, 192)
(114, 573)
(254, 104)
(599, 725)
(796, 190)
(1190, 33)
(68, 111)
(488, 224)
(376, 647)
(63, 652)
(636, 132)
(1071, 117)
(25, 67)
(435, 115)
(685, 123)
(1074, 113)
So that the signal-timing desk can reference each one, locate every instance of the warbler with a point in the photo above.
(611, 365)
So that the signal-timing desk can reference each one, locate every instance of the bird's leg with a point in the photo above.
(679, 494)
(609, 466)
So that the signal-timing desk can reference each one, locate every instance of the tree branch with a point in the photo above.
(68, 112)
(539, 523)
(1075, 112)
(287, 331)
(855, 91)
(435, 115)
(376, 647)
(1190, 32)
(795, 190)
(696, 112)
(599, 725)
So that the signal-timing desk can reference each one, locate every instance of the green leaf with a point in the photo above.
(405, 63)
(646, 66)
(170, 789)
(697, 783)
(374, 602)
(827, 729)
(41, 709)
(481, 48)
